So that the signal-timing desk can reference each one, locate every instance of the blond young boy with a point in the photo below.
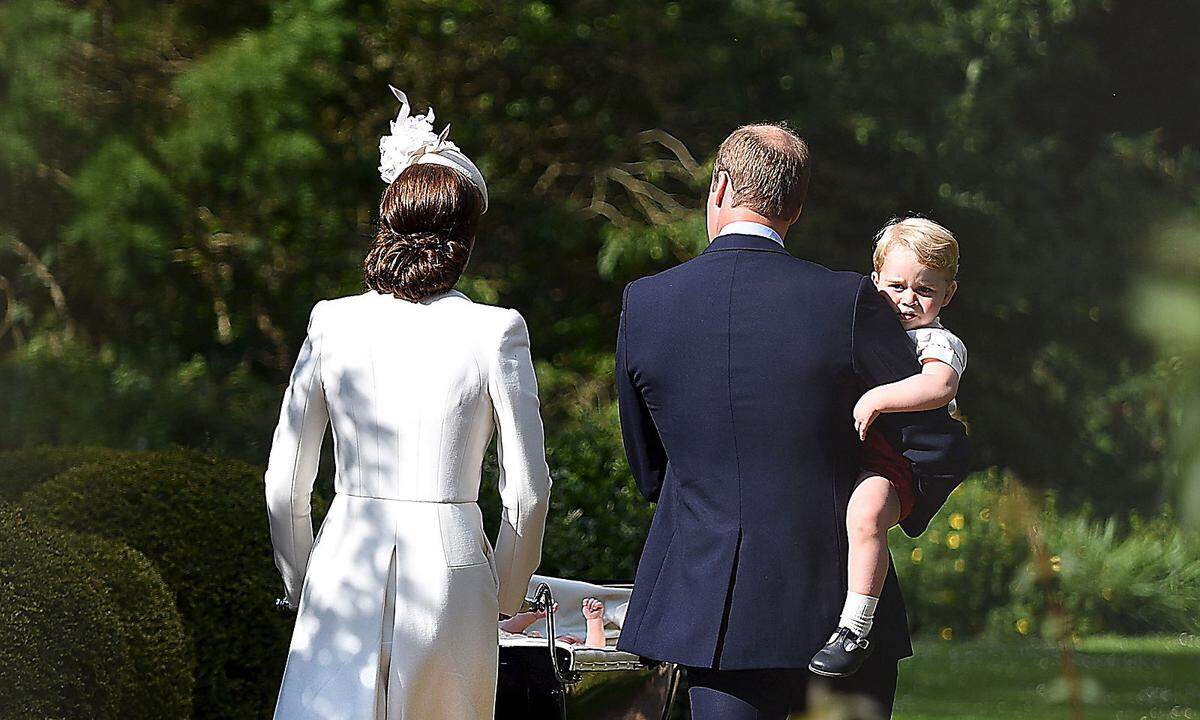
(915, 265)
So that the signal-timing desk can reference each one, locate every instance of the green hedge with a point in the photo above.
(596, 527)
(964, 564)
(88, 629)
(973, 571)
(21, 470)
(1133, 581)
(202, 521)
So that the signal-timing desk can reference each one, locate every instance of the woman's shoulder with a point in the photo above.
(490, 323)
(504, 322)
(343, 301)
(338, 306)
(500, 319)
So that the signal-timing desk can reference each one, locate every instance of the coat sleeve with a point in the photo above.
(292, 465)
(643, 446)
(934, 443)
(524, 476)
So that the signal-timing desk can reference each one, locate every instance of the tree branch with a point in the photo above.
(43, 273)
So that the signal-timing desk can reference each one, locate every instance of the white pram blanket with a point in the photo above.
(569, 595)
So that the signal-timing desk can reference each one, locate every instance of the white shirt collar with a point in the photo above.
(745, 227)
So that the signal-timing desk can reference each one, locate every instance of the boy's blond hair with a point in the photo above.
(934, 245)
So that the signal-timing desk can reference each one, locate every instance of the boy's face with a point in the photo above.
(915, 292)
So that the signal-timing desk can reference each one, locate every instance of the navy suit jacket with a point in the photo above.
(737, 373)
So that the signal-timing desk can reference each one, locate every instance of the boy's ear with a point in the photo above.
(950, 292)
(875, 277)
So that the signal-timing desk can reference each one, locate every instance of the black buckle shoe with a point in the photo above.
(843, 655)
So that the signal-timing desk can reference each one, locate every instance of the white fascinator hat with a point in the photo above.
(413, 141)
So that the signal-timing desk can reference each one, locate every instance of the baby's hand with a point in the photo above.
(517, 623)
(532, 615)
(865, 412)
(593, 609)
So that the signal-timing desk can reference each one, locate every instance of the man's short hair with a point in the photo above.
(768, 168)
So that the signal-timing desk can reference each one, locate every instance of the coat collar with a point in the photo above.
(744, 242)
(452, 295)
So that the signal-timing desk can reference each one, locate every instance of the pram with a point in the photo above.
(542, 678)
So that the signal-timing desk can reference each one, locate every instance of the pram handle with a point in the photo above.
(543, 601)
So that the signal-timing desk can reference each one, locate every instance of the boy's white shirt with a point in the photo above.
(935, 342)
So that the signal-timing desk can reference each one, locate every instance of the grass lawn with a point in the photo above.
(1124, 679)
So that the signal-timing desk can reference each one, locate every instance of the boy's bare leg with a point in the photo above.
(874, 508)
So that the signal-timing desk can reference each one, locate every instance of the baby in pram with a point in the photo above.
(593, 613)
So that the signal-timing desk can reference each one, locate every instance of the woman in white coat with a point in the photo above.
(399, 594)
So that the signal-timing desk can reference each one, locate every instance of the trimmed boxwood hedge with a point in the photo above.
(23, 469)
(202, 521)
(88, 629)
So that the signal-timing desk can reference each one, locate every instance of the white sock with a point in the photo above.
(858, 613)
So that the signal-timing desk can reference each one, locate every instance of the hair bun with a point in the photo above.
(426, 231)
(419, 238)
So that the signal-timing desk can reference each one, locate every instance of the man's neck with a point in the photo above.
(740, 214)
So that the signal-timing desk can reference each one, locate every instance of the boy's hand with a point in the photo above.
(593, 609)
(865, 412)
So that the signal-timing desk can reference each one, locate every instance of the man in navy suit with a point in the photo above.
(737, 372)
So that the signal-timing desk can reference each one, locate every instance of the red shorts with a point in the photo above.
(880, 458)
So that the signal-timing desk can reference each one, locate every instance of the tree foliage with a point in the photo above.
(179, 182)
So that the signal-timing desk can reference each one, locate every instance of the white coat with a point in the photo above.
(398, 596)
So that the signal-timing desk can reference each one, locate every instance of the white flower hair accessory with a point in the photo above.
(412, 141)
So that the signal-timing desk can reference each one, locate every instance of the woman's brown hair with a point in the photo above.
(427, 221)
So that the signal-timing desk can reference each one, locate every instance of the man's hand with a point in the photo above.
(865, 412)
